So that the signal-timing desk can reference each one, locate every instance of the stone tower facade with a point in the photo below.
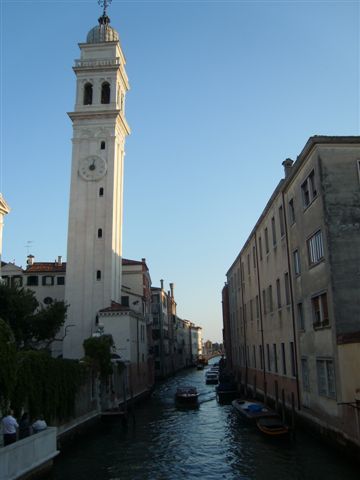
(93, 279)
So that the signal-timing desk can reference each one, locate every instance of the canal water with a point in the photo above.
(210, 443)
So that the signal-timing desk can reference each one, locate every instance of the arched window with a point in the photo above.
(102, 145)
(101, 192)
(105, 92)
(88, 94)
(99, 232)
(98, 274)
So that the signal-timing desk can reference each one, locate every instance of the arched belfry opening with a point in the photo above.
(88, 94)
(105, 92)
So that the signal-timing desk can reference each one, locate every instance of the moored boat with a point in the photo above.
(187, 397)
(252, 409)
(272, 426)
(211, 378)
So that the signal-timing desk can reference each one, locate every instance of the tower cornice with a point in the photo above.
(101, 114)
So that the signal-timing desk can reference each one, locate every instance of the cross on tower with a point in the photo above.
(105, 4)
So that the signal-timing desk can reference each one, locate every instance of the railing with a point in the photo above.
(28, 454)
(97, 63)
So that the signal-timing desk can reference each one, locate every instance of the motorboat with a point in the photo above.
(187, 397)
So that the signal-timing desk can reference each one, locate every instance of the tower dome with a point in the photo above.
(102, 32)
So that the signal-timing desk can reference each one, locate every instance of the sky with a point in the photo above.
(222, 92)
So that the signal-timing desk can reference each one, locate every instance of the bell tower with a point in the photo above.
(94, 264)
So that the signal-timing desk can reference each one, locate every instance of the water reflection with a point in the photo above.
(164, 443)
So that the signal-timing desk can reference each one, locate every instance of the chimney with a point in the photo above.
(287, 164)
(59, 260)
(172, 290)
(162, 284)
(143, 260)
(30, 260)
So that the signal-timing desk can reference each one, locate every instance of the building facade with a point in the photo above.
(292, 318)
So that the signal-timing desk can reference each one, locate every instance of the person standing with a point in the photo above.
(10, 425)
(24, 426)
(39, 425)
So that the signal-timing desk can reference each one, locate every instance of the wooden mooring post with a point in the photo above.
(283, 404)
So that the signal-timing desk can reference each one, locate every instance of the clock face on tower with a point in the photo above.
(92, 168)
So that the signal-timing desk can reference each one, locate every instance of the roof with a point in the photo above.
(46, 267)
(125, 261)
(115, 307)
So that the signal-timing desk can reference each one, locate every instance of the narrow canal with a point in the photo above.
(210, 443)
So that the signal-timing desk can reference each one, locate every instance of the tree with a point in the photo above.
(7, 364)
(33, 326)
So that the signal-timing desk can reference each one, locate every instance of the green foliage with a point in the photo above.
(46, 385)
(32, 328)
(98, 353)
(7, 364)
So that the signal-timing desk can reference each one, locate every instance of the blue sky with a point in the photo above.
(221, 93)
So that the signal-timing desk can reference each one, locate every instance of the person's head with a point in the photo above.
(10, 411)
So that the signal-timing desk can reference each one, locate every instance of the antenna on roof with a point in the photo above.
(28, 246)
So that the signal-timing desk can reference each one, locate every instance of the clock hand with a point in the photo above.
(92, 166)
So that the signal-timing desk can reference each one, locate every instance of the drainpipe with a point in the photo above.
(292, 300)
(244, 323)
(260, 312)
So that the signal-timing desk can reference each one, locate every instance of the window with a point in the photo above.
(315, 248)
(98, 274)
(33, 280)
(48, 281)
(281, 221)
(287, 288)
(88, 94)
(268, 357)
(291, 211)
(105, 93)
(308, 190)
(270, 299)
(257, 306)
(283, 358)
(305, 375)
(125, 301)
(48, 300)
(326, 377)
(60, 280)
(248, 263)
(254, 356)
(278, 292)
(296, 258)
(300, 317)
(260, 249)
(264, 301)
(275, 358)
(320, 310)
(101, 192)
(102, 145)
(251, 310)
(273, 229)
(17, 281)
(292, 359)
(254, 257)
(266, 241)
(99, 233)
